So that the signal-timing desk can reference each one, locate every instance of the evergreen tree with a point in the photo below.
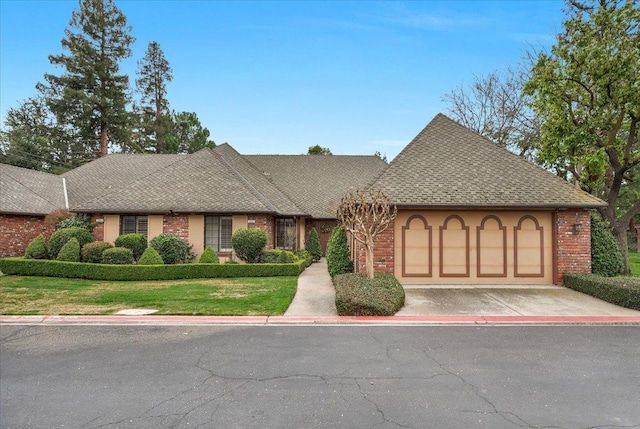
(154, 120)
(89, 98)
(187, 135)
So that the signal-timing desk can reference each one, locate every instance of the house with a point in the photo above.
(469, 211)
(26, 197)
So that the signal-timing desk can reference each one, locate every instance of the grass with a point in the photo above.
(634, 263)
(217, 297)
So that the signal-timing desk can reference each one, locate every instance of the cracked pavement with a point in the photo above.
(319, 377)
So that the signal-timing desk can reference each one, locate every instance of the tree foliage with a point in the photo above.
(313, 245)
(319, 150)
(587, 91)
(366, 214)
(186, 134)
(495, 107)
(153, 121)
(90, 97)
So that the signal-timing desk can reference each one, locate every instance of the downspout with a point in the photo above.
(64, 189)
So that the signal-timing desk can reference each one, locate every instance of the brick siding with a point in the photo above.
(382, 253)
(265, 223)
(17, 231)
(176, 224)
(98, 228)
(573, 250)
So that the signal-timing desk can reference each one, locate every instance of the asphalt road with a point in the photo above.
(319, 377)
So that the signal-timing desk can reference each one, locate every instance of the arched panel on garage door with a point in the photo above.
(528, 247)
(492, 247)
(416, 248)
(454, 248)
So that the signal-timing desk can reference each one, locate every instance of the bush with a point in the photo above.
(37, 249)
(357, 295)
(55, 217)
(269, 256)
(338, 255)
(150, 257)
(286, 257)
(172, 249)
(606, 259)
(623, 291)
(249, 243)
(302, 254)
(313, 245)
(136, 242)
(61, 236)
(70, 252)
(209, 256)
(79, 220)
(92, 252)
(117, 255)
(34, 267)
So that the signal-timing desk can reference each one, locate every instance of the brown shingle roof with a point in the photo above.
(29, 192)
(316, 182)
(449, 165)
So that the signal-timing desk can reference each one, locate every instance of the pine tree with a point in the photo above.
(90, 97)
(153, 74)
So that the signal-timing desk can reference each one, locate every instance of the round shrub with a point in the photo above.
(150, 257)
(172, 249)
(338, 255)
(37, 249)
(92, 252)
(357, 295)
(209, 256)
(136, 242)
(61, 236)
(117, 255)
(70, 252)
(248, 244)
(79, 220)
(606, 259)
(313, 245)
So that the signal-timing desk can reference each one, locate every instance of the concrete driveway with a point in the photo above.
(511, 300)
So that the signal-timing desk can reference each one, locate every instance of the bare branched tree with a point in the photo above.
(366, 214)
(495, 107)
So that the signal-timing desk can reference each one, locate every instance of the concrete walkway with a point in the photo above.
(315, 295)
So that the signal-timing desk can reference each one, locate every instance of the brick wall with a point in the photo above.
(573, 249)
(177, 224)
(265, 223)
(98, 228)
(17, 231)
(382, 253)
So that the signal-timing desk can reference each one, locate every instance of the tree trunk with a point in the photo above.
(369, 257)
(103, 139)
(620, 232)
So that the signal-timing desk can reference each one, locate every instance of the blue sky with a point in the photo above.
(278, 77)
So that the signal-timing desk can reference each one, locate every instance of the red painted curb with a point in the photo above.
(374, 320)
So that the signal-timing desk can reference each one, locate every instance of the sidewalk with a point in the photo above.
(315, 295)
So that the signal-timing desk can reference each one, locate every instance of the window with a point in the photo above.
(285, 233)
(133, 225)
(217, 233)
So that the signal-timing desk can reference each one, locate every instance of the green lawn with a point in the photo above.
(634, 262)
(219, 297)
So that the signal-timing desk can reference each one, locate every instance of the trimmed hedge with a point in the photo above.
(117, 255)
(249, 244)
(338, 254)
(92, 252)
(622, 291)
(209, 256)
(136, 242)
(70, 252)
(303, 254)
(37, 249)
(80, 270)
(172, 249)
(61, 236)
(357, 295)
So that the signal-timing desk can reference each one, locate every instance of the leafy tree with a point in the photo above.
(319, 150)
(89, 99)
(495, 107)
(187, 135)
(381, 156)
(153, 74)
(587, 91)
(366, 214)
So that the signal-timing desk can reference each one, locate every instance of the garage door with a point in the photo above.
(474, 247)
